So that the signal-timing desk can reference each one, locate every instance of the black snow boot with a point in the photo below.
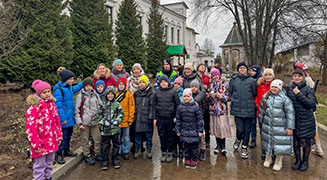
(60, 158)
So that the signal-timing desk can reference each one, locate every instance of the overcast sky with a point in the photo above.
(218, 30)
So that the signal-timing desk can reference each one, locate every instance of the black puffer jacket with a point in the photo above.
(187, 84)
(243, 90)
(304, 106)
(166, 101)
(144, 110)
(189, 122)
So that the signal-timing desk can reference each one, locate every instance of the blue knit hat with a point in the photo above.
(100, 82)
(66, 74)
(163, 77)
(118, 61)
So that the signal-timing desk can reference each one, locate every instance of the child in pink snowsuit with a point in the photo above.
(42, 129)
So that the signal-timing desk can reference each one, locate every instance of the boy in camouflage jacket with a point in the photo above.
(110, 115)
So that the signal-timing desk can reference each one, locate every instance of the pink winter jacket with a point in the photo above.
(42, 126)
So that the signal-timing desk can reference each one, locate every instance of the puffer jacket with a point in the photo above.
(133, 82)
(144, 110)
(107, 79)
(243, 90)
(166, 101)
(110, 115)
(187, 84)
(278, 117)
(42, 126)
(262, 88)
(128, 105)
(304, 105)
(65, 102)
(86, 113)
(189, 122)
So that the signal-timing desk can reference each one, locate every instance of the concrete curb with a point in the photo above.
(61, 169)
(323, 128)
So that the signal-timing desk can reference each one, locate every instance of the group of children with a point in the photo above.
(105, 115)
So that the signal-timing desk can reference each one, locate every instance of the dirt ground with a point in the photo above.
(13, 140)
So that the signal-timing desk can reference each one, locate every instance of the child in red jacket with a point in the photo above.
(43, 129)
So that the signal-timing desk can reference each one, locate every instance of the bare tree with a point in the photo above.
(208, 45)
(12, 34)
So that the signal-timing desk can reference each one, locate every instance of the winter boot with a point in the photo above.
(104, 165)
(188, 164)
(194, 164)
(317, 149)
(148, 153)
(163, 156)
(304, 165)
(244, 152)
(202, 155)
(236, 144)
(60, 158)
(305, 161)
(278, 163)
(268, 161)
(169, 157)
(126, 156)
(137, 154)
(69, 153)
(217, 149)
(297, 153)
(223, 147)
(88, 159)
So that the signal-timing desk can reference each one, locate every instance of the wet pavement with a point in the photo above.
(231, 166)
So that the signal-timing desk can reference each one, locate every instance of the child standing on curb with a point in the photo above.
(110, 115)
(166, 101)
(86, 108)
(276, 114)
(64, 94)
(126, 100)
(189, 127)
(144, 115)
(42, 129)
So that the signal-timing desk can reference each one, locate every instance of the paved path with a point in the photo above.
(214, 167)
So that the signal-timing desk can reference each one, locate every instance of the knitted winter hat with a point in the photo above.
(163, 78)
(145, 79)
(277, 83)
(179, 80)
(255, 68)
(40, 86)
(88, 81)
(298, 71)
(214, 72)
(242, 64)
(189, 66)
(137, 65)
(118, 61)
(98, 83)
(123, 80)
(66, 74)
(187, 92)
(269, 71)
(195, 83)
(166, 61)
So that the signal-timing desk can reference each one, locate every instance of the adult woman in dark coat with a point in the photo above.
(304, 101)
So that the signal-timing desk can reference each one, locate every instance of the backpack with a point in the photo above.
(83, 98)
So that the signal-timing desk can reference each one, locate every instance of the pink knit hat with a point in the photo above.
(187, 92)
(214, 72)
(40, 86)
(179, 80)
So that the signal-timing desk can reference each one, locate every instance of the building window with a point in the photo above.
(166, 33)
(178, 36)
(109, 10)
(172, 35)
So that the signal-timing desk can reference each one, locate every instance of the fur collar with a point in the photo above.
(33, 100)
(260, 81)
(96, 74)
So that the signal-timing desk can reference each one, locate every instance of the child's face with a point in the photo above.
(274, 90)
(163, 84)
(136, 71)
(88, 88)
(70, 81)
(195, 89)
(110, 96)
(100, 88)
(45, 94)
(215, 78)
(142, 85)
(187, 99)
(177, 86)
(119, 67)
(297, 78)
(268, 77)
(121, 86)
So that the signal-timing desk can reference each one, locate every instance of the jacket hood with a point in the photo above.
(87, 93)
(97, 76)
(32, 99)
(110, 89)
